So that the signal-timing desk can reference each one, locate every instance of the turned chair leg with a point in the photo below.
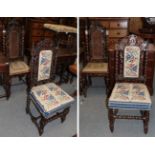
(65, 112)
(146, 121)
(106, 80)
(89, 81)
(111, 119)
(84, 85)
(42, 125)
(28, 105)
(8, 88)
(28, 83)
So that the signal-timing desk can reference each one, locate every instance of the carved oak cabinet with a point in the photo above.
(116, 28)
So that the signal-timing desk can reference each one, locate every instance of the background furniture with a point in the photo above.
(4, 75)
(131, 91)
(65, 48)
(35, 31)
(95, 63)
(116, 28)
(14, 49)
(48, 98)
(73, 71)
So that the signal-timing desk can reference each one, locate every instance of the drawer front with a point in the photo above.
(118, 33)
(105, 24)
(37, 33)
(119, 24)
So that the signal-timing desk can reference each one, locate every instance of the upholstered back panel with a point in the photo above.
(43, 62)
(131, 59)
(44, 65)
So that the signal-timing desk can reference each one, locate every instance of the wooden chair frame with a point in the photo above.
(119, 60)
(40, 121)
(96, 45)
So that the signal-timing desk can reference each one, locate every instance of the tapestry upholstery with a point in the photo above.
(131, 61)
(50, 98)
(130, 96)
(45, 59)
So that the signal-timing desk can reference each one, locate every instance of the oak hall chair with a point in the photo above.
(49, 99)
(14, 50)
(95, 64)
(4, 76)
(130, 90)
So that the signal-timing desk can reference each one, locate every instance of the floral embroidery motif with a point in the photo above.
(131, 61)
(50, 96)
(44, 69)
(138, 93)
(122, 92)
(130, 92)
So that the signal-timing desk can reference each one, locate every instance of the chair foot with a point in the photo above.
(145, 121)
(64, 114)
(63, 119)
(111, 120)
(41, 126)
(145, 128)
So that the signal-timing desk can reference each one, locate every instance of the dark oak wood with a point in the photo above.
(36, 31)
(146, 72)
(116, 28)
(4, 76)
(96, 52)
(13, 40)
(40, 121)
(65, 42)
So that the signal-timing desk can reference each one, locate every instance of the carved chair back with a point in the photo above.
(131, 60)
(14, 39)
(43, 63)
(97, 50)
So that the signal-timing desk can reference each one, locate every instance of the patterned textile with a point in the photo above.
(45, 59)
(131, 61)
(60, 28)
(96, 67)
(50, 98)
(130, 96)
(18, 67)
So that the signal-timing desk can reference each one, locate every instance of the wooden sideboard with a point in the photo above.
(35, 32)
(116, 28)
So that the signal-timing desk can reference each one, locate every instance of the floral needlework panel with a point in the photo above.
(44, 69)
(49, 97)
(140, 93)
(121, 92)
(130, 96)
(131, 61)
